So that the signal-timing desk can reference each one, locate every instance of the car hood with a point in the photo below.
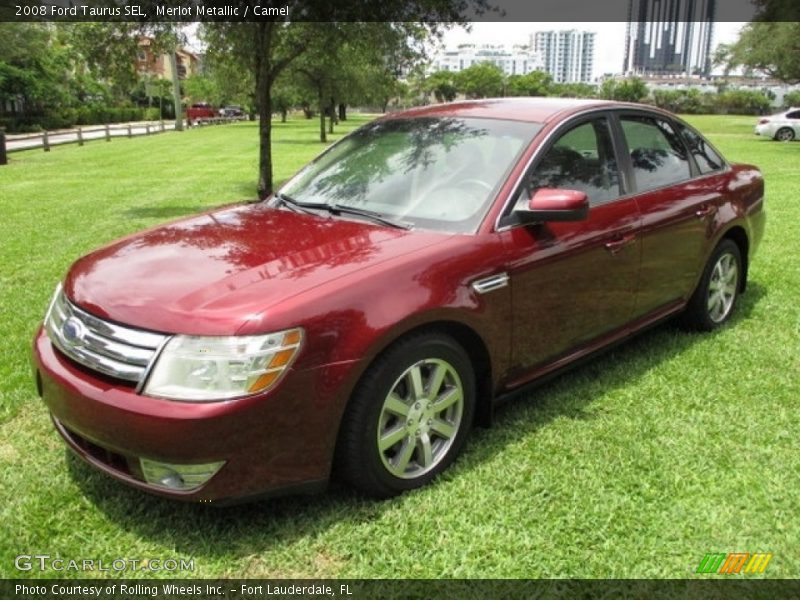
(211, 274)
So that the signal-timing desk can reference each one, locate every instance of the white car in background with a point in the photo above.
(784, 126)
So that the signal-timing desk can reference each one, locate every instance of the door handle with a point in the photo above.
(618, 242)
(705, 210)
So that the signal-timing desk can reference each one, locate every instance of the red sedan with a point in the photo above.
(363, 319)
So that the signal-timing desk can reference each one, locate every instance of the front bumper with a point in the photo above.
(271, 443)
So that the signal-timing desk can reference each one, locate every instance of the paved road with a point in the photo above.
(90, 132)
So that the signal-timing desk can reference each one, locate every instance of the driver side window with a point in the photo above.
(581, 159)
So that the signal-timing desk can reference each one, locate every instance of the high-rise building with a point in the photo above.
(517, 60)
(567, 55)
(669, 37)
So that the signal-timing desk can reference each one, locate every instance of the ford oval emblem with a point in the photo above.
(73, 331)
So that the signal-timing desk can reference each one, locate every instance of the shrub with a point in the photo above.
(626, 90)
(62, 119)
(792, 99)
(744, 102)
(690, 102)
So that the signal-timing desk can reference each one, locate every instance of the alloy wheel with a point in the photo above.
(420, 418)
(722, 287)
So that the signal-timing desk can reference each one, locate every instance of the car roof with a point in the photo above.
(534, 110)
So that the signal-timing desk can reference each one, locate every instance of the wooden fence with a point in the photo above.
(80, 135)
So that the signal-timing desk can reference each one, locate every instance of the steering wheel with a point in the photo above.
(457, 199)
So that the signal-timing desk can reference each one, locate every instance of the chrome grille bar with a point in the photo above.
(108, 348)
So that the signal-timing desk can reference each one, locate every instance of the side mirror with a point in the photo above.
(547, 204)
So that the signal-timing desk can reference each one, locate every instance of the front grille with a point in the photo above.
(99, 345)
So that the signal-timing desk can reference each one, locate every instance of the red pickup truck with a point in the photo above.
(201, 111)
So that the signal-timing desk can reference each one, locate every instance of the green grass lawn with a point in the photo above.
(634, 465)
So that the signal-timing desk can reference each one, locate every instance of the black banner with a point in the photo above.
(259, 589)
(374, 10)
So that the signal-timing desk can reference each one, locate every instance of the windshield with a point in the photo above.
(434, 173)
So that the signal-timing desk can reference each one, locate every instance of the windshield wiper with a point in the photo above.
(338, 209)
(294, 205)
(369, 214)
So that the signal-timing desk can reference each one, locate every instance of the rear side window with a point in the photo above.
(707, 160)
(582, 159)
(793, 115)
(658, 156)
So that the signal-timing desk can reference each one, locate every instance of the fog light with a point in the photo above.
(178, 477)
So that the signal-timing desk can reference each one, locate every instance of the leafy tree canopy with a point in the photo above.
(770, 47)
(481, 80)
(442, 84)
(535, 83)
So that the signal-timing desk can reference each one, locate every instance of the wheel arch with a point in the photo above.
(475, 347)
(477, 353)
(471, 342)
(738, 236)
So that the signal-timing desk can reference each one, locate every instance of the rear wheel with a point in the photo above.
(784, 134)
(409, 416)
(714, 299)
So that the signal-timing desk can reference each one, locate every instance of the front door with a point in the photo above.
(573, 282)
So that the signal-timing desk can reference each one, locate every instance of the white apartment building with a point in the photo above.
(568, 55)
(518, 60)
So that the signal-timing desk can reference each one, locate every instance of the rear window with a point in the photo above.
(658, 155)
(704, 155)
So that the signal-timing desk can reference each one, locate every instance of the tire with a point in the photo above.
(714, 300)
(397, 433)
(784, 134)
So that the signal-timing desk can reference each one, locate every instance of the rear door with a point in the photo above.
(677, 209)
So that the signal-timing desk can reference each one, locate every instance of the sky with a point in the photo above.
(609, 43)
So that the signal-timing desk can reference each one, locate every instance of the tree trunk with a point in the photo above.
(322, 137)
(342, 112)
(265, 146)
(283, 116)
(331, 116)
(264, 78)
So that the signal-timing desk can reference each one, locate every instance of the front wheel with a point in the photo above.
(409, 416)
(714, 299)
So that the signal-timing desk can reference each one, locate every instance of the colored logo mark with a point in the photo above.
(734, 562)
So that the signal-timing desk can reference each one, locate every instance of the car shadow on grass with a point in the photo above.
(570, 393)
(241, 532)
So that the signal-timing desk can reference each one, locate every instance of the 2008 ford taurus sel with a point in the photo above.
(362, 319)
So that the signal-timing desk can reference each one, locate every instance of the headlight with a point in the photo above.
(219, 368)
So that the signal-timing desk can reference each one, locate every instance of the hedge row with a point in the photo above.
(734, 102)
(84, 115)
